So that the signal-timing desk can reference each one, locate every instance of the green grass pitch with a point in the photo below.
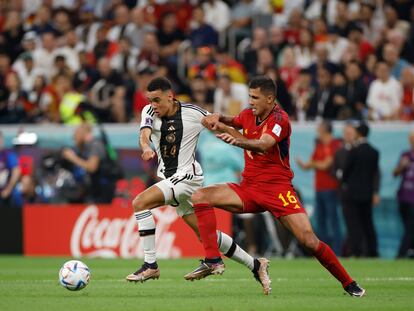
(32, 284)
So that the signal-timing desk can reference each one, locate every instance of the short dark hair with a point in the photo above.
(159, 83)
(327, 125)
(266, 84)
(363, 129)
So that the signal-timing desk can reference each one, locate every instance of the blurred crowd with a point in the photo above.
(331, 59)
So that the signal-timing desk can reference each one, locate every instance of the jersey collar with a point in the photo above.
(258, 123)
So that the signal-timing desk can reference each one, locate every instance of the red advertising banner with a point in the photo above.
(106, 231)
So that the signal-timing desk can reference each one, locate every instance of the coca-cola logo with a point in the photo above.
(93, 236)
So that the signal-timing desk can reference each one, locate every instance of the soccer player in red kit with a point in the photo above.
(266, 183)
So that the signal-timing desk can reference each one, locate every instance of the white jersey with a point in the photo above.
(175, 139)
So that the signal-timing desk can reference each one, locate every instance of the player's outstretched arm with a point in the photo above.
(145, 143)
(233, 137)
(212, 121)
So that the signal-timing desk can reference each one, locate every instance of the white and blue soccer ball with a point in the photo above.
(74, 275)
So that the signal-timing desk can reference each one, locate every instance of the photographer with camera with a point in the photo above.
(90, 157)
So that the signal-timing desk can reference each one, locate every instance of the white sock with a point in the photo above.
(146, 229)
(230, 249)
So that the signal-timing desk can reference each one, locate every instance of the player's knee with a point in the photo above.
(139, 204)
(199, 197)
(309, 240)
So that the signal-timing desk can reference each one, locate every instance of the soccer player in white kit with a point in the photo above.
(173, 128)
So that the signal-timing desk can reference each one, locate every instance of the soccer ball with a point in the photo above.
(74, 275)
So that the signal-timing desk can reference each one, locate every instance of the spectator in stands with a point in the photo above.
(9, 176)
(392, 20)
(42, 22)
(52, 96)
(121, 20)
(322, 61)
(204, 66)
(61, 22)
(71, 48)
(259, 41)
(355, 91)
(230, 98)
(405, 169)
(302, 92)
(13, 35)
(86, 75)
(169, 38)
(276, 41)
(321, 104)
(29, 41)
(107, 94)
(217, 14)
(202, 34)
(137, 28)
(283, 97)
(61, 67)
(342, 19)
(407, 104)
(149, 55)
(326, 186)
(200, 94)
(12, 103)
(324, 9)
(356, 36)
(86, 30)
(320, 31)
(34, 113)
(294, 27)
(384, 94)
(351, 54)
(89, 155)
(142, 79)
(304, 50)
(372, 22)
(44, 56)
(125, 60)
(24, 67)
(336, 45)
(361, 179)
(4, 70)
(289, 70)
(103, 47)
(264, 62)
(241, 18)
(225, 64)
(391, 56)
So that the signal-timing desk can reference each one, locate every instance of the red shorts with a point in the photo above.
(280, 200)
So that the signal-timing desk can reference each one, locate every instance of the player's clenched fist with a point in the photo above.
(211, 121)
(147, 154)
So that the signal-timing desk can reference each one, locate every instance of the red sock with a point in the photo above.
(207, 226)
(328, 259)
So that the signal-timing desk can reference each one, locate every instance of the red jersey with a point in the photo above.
(324, 181)
(271, 167)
